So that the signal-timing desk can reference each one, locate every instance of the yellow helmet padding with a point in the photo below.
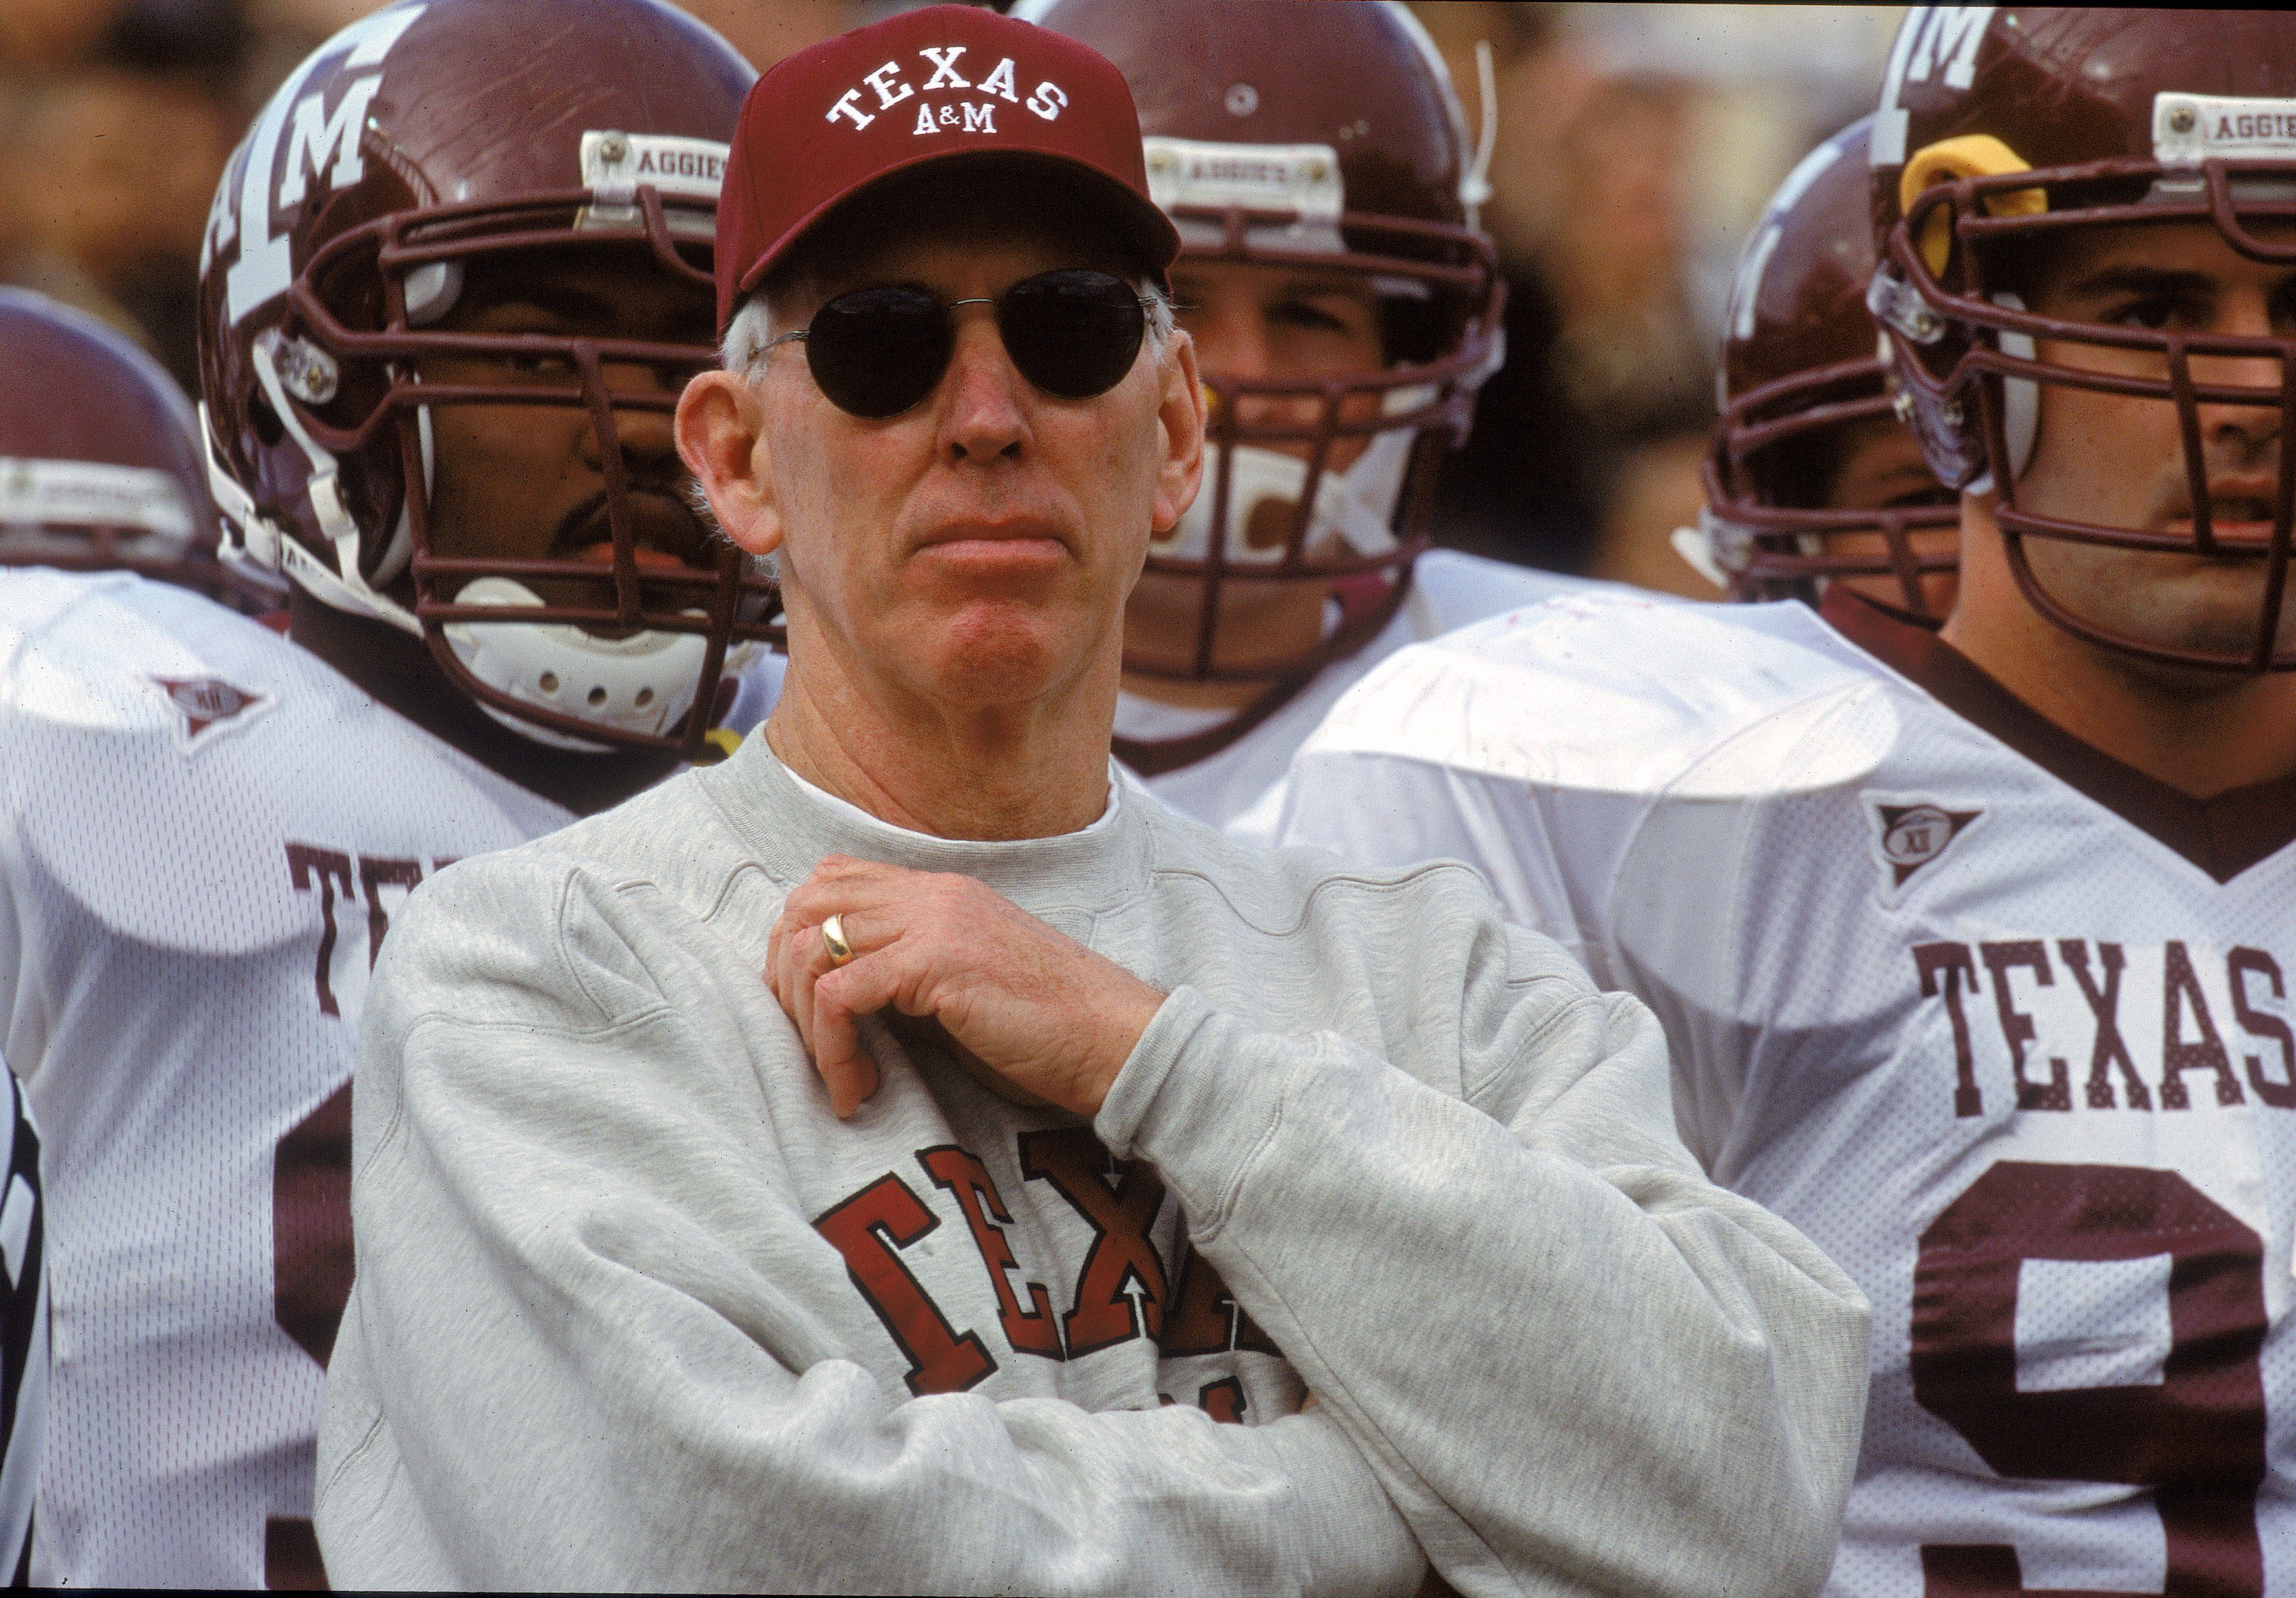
(1971, 156)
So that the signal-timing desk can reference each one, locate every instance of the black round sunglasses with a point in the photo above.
(878, 351)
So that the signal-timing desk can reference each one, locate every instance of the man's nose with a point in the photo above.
(645, 438)
(981, 403)
(2243, 430)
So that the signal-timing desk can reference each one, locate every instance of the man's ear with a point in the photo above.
(1179, 434)
(721, 439)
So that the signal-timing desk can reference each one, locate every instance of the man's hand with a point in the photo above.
(1047, 1018)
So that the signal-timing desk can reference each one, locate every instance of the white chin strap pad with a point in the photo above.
(1698, 555)
(2021, 397)
(642, 683)
(1356, 505)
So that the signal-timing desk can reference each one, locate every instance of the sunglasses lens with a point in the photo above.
(1072, 333)
(877, 351)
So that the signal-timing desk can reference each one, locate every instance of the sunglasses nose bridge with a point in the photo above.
(984, 391)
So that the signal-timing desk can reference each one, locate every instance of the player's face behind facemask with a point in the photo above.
(543, 396)
(1874, 464)
(380, 434)
(531, 480)
(1320, 167)
(976, 548)
(1256, 324)
(2122, 461)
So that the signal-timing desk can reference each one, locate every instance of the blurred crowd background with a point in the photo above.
(1635, 146)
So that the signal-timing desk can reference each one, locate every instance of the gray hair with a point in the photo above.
(744, 352)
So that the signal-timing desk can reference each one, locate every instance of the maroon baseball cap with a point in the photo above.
(945, 82)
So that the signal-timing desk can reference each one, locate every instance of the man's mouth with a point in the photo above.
(997, 547)
(2240, 513)
(665, 535)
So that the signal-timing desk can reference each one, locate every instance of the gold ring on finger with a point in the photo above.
(833, 934)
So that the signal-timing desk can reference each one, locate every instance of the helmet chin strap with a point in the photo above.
(249, 540)
(1716, 550)
(1475, 182)
(345, 588)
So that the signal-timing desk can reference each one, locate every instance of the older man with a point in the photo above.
(1059, 1128)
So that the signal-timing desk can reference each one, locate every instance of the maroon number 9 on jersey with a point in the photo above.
(2197, 1437)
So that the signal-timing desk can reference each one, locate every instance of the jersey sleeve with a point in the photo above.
(593, 1343)
(1576, 1364)
(1599, 761)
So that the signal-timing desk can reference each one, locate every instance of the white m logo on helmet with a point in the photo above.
(1931, 37)
(317, 145)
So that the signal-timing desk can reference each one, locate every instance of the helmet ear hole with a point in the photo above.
(266, 420)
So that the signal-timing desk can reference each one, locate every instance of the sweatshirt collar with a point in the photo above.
(788, 824)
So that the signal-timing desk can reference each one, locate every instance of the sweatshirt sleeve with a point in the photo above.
(593, 1344)
(1576, 1365)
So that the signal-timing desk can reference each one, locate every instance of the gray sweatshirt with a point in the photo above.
(634, 1309)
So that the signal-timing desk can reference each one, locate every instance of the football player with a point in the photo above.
(1812, 478)
(99, 457)
(1345, 307)
(456, 276)
(1974, 946)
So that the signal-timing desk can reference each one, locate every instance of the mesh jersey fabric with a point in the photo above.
(204, 833)
(2023, 1069)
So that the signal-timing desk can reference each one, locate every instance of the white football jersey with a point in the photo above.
(2004, 1026)
(204, 831)
(1239, 788)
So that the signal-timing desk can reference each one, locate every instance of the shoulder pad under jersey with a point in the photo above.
(147, 739)
(1616, 692)
(1459, 590)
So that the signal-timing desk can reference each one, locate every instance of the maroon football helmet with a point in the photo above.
(431, 142)
(1321, 137)
(2000, 131)
(99, 459)
(1801, 376)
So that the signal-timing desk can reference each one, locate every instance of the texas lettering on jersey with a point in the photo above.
(2086, 1322)
(311, 1167)
(1123, 1290)
(356, 895)
(2057, 1013)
